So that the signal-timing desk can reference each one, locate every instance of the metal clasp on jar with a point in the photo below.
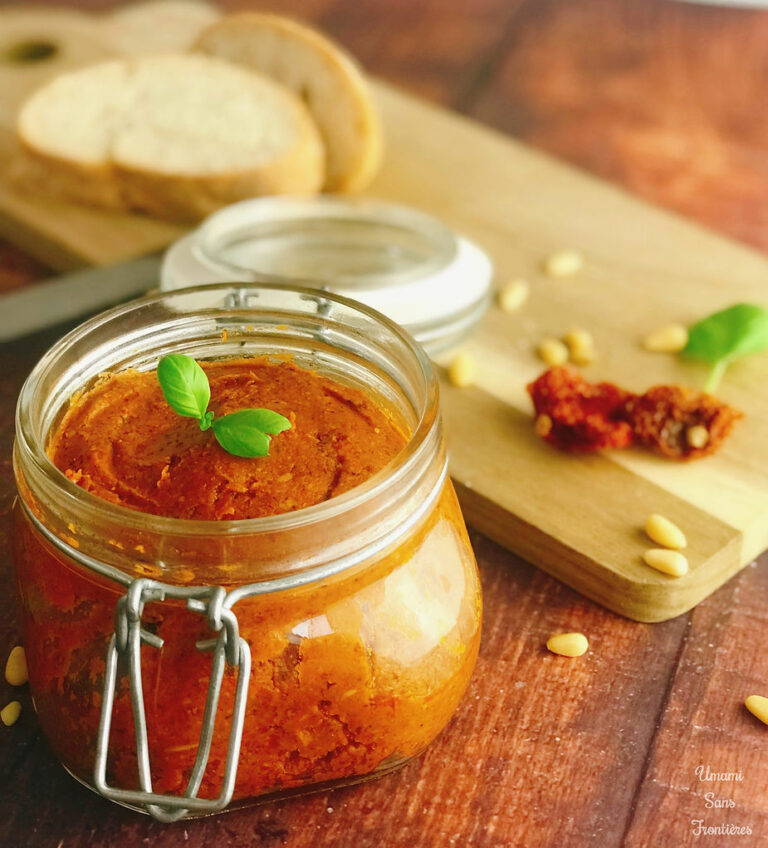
(227, 646)
(243, 299)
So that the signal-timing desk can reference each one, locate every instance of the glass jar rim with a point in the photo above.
(427, 422)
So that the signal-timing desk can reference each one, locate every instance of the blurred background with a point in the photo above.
(664, 97)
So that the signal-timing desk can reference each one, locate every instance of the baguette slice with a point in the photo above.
(176, 136)
(37, 42)
(156, 26)
(65, 131)
(318, 71)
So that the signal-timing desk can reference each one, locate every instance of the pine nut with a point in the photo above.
(583, 357)
(581, 346)
(697, 436)
(668, 562)
(568, 644)
(553, 352)
(662, 531)
(10, 713)
(670, 339)
(758, 706)
(461, 372)
(513, 295)
(563, 263)
(543, 425)
(578, 338)
(16, 667)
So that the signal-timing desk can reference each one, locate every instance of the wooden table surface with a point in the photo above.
(667, 99)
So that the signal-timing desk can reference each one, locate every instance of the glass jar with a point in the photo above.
(179, 665)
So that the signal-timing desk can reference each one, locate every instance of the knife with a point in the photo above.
(59, 299)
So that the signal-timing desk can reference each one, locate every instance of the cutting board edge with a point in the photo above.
(57, 256)
(649, 603)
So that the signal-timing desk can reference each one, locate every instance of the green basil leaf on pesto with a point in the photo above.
(247, 433)
(185, 386)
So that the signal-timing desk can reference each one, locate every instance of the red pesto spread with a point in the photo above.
(344, 680)
(121, 441)
(577, 416)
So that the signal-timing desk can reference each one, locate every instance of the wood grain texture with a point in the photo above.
(18, 269)
(685, 689)
(656, 95)
(704, 725)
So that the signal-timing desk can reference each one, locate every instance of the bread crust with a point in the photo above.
(346, 173)
(40, 173)
(188, 198)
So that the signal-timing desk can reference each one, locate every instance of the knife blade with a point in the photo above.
(59, 299)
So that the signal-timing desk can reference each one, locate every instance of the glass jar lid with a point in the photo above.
(402, 262)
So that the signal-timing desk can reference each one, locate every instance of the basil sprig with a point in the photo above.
(245, 433)
(727, 335)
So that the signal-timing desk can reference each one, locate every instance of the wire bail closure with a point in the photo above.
(228, 647)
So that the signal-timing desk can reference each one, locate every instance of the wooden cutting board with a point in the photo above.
(579, 518)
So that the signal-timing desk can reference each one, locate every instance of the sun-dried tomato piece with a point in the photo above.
(578, 416)
(582, 416)
(662, 417)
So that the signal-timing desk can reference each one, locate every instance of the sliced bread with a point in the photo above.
(176, 136)
(36, 43)
(318, 71)
(65, 130)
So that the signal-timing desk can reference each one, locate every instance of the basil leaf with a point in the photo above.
(265, 419)
(729, 334)
(184, 386)
(245, 433)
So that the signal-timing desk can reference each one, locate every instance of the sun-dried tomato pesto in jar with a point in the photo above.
(341, 555)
